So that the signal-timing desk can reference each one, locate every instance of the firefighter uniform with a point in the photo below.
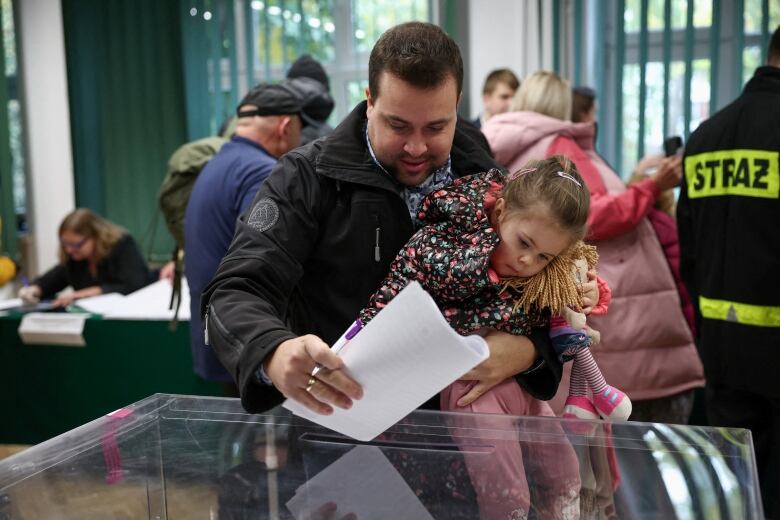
(729, 225)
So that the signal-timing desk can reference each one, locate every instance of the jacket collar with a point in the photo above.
(344, 154)
(766, 79)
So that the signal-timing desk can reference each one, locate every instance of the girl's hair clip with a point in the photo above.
(567, 176)
(520, 173)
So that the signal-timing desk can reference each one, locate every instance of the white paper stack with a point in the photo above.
(407, 354)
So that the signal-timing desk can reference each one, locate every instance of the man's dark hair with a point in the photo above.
(773, 53)
(500, 76)
(419, 53)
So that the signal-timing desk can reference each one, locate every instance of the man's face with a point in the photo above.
(411, 129)
(498, 101)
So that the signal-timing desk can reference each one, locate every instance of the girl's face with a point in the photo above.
(77, 246)
(530, 239)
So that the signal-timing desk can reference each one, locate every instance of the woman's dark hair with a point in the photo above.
(421, 54)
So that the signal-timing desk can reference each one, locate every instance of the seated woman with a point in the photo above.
(96, 257)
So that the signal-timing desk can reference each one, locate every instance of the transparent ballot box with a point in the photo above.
(176, 457)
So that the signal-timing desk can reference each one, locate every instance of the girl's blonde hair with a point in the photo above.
(544, 92)
(86, 223)
(555, 184)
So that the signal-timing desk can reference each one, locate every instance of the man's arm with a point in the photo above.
(245, 305)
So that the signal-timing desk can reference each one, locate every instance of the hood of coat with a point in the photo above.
(512, 133)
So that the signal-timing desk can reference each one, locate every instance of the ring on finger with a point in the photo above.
(310, 384)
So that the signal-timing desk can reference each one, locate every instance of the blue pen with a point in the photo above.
(25, 281)
(340, 343)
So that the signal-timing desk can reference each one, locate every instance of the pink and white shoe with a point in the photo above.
(612, 404)
(579, 407)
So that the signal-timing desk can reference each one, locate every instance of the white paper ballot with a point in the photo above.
(403, 357)
(149, 303)
(362, 482)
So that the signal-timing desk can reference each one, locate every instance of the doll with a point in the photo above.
(557, 288)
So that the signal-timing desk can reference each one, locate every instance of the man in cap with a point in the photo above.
(269, 125)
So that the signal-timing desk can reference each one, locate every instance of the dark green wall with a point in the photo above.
(127, 104)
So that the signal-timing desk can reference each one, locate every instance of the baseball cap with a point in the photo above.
(272, 99)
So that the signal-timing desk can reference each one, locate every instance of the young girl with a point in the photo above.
(485, 236)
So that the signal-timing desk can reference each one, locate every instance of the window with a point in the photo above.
(12, 174)
(260, 40)
(670, 67)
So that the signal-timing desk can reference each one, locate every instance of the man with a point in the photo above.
(310, 78)
(325, 227)
(497, 93)
(269, 125)
(728, 218)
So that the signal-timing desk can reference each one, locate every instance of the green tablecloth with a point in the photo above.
(48, 390)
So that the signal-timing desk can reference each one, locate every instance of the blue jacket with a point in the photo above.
(224, 189)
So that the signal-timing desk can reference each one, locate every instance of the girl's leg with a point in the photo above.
(578, 404)
(491, 447)
(611, 403)
(552, 467)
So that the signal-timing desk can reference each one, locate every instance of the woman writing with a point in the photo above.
(96, 257)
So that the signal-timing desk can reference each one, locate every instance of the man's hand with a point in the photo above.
(669, 173)
(590, 293)
(509, 355)
(290, 368)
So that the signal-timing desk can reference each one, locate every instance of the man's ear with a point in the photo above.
(284, 126)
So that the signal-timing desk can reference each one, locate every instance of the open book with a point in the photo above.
(403, 357)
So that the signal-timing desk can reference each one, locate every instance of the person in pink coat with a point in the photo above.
(646, 346)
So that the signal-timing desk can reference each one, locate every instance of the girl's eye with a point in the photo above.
(523, 243)
(544, 258)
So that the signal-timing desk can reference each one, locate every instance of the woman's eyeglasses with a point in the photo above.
(73, 246)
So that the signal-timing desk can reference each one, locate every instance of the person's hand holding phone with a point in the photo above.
(669, 173)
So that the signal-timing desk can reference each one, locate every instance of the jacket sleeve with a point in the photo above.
(246, 303)
(543, 378)
(611, 215)
(687, 242)
(605, 297)
(53, 281)
(128, 269)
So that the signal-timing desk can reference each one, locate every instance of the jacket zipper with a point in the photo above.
(377, 231)
(206, 327)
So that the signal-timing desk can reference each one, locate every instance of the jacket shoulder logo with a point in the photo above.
(264, 215)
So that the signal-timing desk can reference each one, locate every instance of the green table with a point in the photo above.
(48, 390)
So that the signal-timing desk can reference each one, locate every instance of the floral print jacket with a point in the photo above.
(450, 258)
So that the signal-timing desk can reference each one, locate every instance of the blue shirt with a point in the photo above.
(224, 189)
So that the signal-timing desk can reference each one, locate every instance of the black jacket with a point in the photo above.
(729, 225)
(315, 245)
(122, 271)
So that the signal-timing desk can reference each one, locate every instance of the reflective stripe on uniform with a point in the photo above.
(746, 173)
(743, 313)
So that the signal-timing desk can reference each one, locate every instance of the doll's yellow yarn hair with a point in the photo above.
(554, 287)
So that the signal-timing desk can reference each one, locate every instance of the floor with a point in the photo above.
(6, 450)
